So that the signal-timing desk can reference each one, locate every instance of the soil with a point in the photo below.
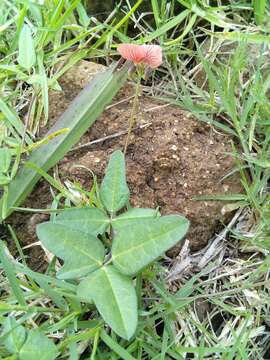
(169, 162)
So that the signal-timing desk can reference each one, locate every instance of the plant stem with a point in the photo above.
(139, 290)
(133, 112)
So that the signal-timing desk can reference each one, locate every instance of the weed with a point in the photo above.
(134, 239)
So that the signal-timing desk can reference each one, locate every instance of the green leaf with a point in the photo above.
(137, 245)
(38, 346)
(13, 122)
(8, 266)
(131, 216)
(54, 294)
(222, 197)
(79, 116)
(213, 15)
(81, 252)
(259, 10)
(114, 297)
(36, 13)
(88, 220)
(4, 180)
(27, 54)
(162, 30)
(264, 163)
(44, 86)
(5, 160)
(16, 337)
(113, 344)
(114, 192)
(253, 38)
(83, 17)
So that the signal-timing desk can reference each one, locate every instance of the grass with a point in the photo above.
(216, 66)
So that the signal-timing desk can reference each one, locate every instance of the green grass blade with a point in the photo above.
(259, 10)
(114, 28)
(156, 12)
(115, 346)
(44, 87)
(186, 31)
(79, 116)
(217, 197)
(7, 266)
(166, 27)
(252, 38)
(13, 122)
(27, 55)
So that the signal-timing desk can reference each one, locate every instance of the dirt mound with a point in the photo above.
(169, 161)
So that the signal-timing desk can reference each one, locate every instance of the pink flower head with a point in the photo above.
(150, 55)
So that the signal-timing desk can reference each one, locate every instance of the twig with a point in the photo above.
(200, 259)
(109, 137)
(216, 244)
(120, 102)
(154, 108)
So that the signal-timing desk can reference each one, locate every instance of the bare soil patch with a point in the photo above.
(170, 161)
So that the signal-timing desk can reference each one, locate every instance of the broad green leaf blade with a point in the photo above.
(38, 346)
(16, 335)
(114, 192)
(114, 297)
(133, 215)
(91, 221)
(27, 54)
(79, 116)
(137, 245)
(81, 252)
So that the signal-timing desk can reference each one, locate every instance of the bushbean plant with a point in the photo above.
(105, 249)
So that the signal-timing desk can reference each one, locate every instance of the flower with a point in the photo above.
(150, 55)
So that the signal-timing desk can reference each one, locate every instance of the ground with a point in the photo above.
(210, 301)
(170, 160)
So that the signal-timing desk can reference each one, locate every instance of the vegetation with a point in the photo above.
(216, 65)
